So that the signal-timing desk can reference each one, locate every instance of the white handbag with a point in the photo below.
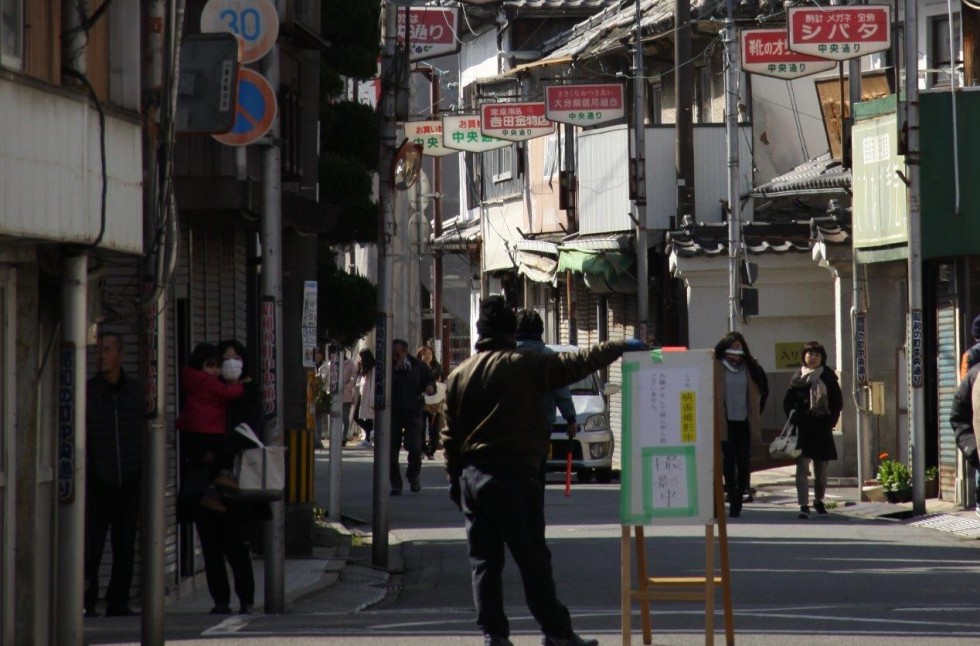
(786, 444)
(260, 471)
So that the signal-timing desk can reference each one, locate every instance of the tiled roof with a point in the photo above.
(559, 5)
(819, 175)
(759, 237)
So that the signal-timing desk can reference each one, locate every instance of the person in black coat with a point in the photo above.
(410, 379)
(224, 535)
(115, 421)
(815, 400)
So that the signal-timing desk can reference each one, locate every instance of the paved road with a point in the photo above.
(828, 580)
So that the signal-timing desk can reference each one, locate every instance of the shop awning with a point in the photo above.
(604, 264)
(458, 236)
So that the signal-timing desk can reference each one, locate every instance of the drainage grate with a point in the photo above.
(959, 525)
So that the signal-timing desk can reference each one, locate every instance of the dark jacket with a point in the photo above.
(560, 398)
(816, 431)
(961, 417)
(115, 420)
(408, 385)
(494, 410)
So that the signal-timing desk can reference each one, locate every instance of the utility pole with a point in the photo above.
(640, 180)
(731, 136)
(914, 340)
(684, 122)
(272, 336)
(386, 231)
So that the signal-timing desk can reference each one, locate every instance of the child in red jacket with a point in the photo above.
(202, 424)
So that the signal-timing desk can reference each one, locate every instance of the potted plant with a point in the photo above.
(932, 482)
(895, 479)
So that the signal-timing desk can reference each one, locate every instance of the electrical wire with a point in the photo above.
(105, 178)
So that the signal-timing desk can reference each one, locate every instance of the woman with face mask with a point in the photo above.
(740, 397)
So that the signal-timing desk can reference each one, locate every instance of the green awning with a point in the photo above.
(607, 264)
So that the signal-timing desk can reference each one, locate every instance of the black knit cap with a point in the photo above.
(529, 324)
(497, 320)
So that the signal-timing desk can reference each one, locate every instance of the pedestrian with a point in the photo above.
(224, 536)
(963, 422)
(323, 387)
(115, 424)
(494, 441)
(410, 381)
(740, 399)
(364, 413)
(971, 356)
(815, 400)
(530, 330)
(202, 426)
(347, 392)
(434, 404)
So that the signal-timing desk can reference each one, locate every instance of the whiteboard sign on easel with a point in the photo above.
(668, 438)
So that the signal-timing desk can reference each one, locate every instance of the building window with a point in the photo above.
(503, 163)
(655, 101)
(939, 50)
(12, 33)
(702, 94)
(551, 161)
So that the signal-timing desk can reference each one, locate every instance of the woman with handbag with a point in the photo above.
(814, 398)
(740, 397)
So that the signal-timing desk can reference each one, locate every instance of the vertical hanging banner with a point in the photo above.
(269, 367)
(431, 33)
(767, 52)
(839, 33)
(515, 121)
(66, 423)
(148, 357)
(585, 105)
(308, 323)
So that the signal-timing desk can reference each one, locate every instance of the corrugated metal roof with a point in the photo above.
(554, 6)
(821, 174)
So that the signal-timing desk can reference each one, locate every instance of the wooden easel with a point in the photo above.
(695, 588)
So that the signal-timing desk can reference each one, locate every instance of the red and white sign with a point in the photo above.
(255, 111)
(463, 132)
(428, 134)
(839, 33)
(432, 33)
(767, 52)
(515, 121)
(255, 22)
(584, 105)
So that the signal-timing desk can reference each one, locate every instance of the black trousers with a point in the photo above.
(504, 507)
(737, 461)
(223, 537)
(405, 430)
(116, 511)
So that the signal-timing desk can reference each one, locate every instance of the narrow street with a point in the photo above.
(838, 579)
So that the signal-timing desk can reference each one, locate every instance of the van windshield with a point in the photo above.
(586, 386)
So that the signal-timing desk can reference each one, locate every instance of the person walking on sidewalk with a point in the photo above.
(114, 416)
(364, 411)
(963, 420)
(815, 400)
(410, 381)
(740, 398)
(494, 441)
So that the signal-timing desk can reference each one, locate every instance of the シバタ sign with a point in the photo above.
(432, 31)
(767, 52)
(255, 22)
(584, 105)
(427, 134)
(839, 33)
(256, 110)
(463, 132)
(515, 121)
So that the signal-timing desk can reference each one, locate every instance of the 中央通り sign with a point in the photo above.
(431, 33)
(464, 132)
(427, 134)
(584, 105)
(767, 52)
(839, 33)
(515, 121)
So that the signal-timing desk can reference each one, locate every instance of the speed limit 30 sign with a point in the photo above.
(255, 22)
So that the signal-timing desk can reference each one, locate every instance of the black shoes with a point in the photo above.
(396, 492)
(415, 485)
(246, 609)
(496, 640)
(819, 507)
(574, 640)
(120, 611)
(221, 610)
(805, 512)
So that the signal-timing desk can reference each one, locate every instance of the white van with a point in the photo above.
(592, 448)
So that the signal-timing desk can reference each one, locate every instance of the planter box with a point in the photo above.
(902, 495)
(932, 488)
(874, 493)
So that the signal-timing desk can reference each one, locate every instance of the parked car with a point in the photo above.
(592, 448)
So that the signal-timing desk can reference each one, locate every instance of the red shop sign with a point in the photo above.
(515, 121)
(767, 52)
(585, 105)
(839, 33)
